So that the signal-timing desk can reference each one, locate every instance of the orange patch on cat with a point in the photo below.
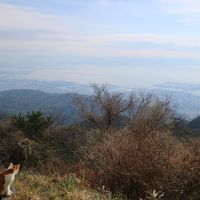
(12, 169)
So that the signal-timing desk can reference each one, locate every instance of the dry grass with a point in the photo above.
(37, 187)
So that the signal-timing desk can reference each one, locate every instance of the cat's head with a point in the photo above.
(15, 168)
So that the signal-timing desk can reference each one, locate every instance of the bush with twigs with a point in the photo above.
(142, 155)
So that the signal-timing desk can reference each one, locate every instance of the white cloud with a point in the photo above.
(149, 38)
(24, 18)
(183, 6)
(95, 46)
(104, 2)
(56, 34)
(187, 10)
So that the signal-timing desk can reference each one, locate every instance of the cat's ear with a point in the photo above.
(10, 166)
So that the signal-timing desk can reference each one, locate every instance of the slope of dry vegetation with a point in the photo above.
(136, 165)
(29, 185)
(126, 144)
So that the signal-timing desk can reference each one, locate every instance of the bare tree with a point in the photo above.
(151, 113)
(144, 112)
(103, 109)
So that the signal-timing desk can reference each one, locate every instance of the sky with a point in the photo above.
(131, 43)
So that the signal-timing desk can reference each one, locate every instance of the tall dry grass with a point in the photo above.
(29, 185)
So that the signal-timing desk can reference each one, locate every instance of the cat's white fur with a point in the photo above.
(8, 181)
(10, 166)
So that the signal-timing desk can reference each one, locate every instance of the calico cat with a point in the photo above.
(6, 179)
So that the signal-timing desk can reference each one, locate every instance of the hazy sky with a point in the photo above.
(135, 43)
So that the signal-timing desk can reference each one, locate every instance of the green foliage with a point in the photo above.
(32, 124)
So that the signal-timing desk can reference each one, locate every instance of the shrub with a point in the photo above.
(32, 124)
(8, 142)
(136, 164)
(151, 113)
(29, 153)
(16, 147)
(68, 141)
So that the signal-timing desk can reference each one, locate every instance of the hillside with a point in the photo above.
(195, 124)
(142, 159)
(22, 101)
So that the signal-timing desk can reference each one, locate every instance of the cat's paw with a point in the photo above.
(8, 194)
(11, 193)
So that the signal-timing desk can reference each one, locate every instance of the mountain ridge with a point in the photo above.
(17, 101)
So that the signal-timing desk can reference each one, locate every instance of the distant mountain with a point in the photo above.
(194, 124)
(22, 101)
